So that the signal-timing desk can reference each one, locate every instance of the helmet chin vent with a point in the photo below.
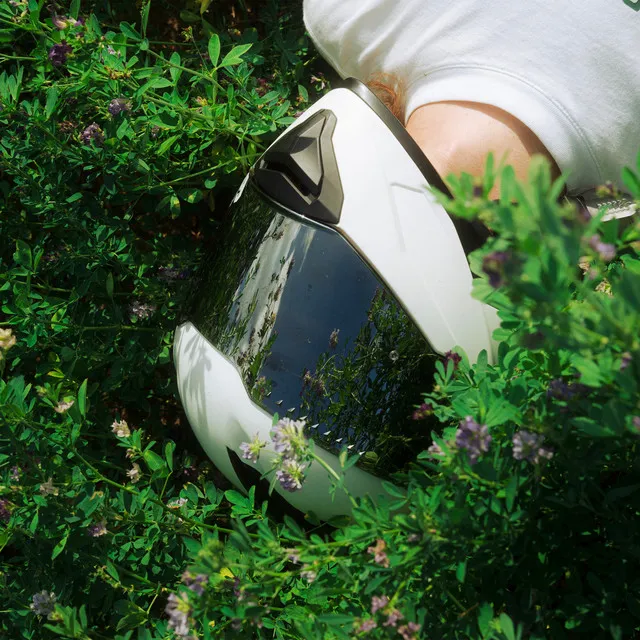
(300, 171)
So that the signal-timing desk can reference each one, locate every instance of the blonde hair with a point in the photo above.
(390, 91)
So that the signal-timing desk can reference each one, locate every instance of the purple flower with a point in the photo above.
(291, 474)
(408, 631)
(117, 106)
(377, 603)
(528, 446)
(333, 338)
(626, 360)
(171, 274)
(293, 555)
(195, 583)
(92, 132)
(435, 449)
(58, 54)
(364, 626)
(308, 574)
(605, 250)
(423, 411)
(97, 529)
(288, 436)
(142, 310)
(251, 450)
(5, 514)
(178, 610)
(473, 437)
(636, 423)
(378, 553)
(43, 603)
(15, 473)
(452, 356)
(494, 265)
(392, 618)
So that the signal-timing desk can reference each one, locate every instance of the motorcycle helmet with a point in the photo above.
(335, 285)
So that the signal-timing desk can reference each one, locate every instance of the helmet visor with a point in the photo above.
(315, 334)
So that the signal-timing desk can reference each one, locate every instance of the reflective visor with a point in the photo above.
(315, 334)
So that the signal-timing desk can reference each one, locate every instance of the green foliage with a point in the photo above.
(104, 500)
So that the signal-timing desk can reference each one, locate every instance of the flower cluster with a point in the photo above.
(605, 250)
(290, 475)
(496, 266)
(97, 529)
(5, 514)
(379, 554)
(121, 428)
(117, 106)
(452, 356)
(178, 609)
(423, 411)
(195, 582)
(474, 438)
(47, 488)
(63, 22)
(142, 310)
(333, 338)
(528, 446)
(290, 443)
(58, 53)
(134, 474)
(63, 406)
(7, 340)
(92, 132)
(251, 450)
(43, 603)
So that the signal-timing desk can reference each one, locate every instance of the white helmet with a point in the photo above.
(336, 283)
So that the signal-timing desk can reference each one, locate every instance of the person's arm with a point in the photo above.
(458, 136)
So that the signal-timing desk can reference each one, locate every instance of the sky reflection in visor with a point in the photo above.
(315, 334)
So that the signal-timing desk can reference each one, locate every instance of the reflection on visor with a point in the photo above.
(315, 334)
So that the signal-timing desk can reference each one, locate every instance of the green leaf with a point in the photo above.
(204, 5)
(59, 548)
(130, 32)
(234, 56)
(145, 18)
(234, 497)
(461, 571)
(22, 254)
(153, 460)
(190, 195)
(74, 11)
(210, 183)
(169, 448)
(52, 101)
(167, 144)
(109, 284)
(592, 428)
(214, 49)
(75, 197)
(144, 45)
(506, 624)
(82, 398)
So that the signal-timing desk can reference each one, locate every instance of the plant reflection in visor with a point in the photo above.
(315, 334)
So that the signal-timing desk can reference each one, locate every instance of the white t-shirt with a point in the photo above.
(568, 69)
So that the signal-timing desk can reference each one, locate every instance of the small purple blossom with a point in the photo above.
(58, 54)
(142, 310)
(177, 503)
(293, 555)
(63, 406)
(379, 554)
(121, 428)
(117, 106)
(288, 436)
(5, 514)
(473, 437)
(494, 265)
(178, 610)
(408, 631)
(171, 274)
(364, 626)
(452, 356)
(423, 411)
(625, 360)
(251, 450)
(528, 446)
(333, 338)
(636, 423)
(195, 582)
(134, 474)
(377, 603)
(97, 529)
(43, 603)
(92, 132)
(435, 449)
(15, 474)
(562, 390)
(308, 573)
(291, 474)
(605, 250)
(393, 618)
(47, 488)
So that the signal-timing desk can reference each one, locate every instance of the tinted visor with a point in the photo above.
(315, 334)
